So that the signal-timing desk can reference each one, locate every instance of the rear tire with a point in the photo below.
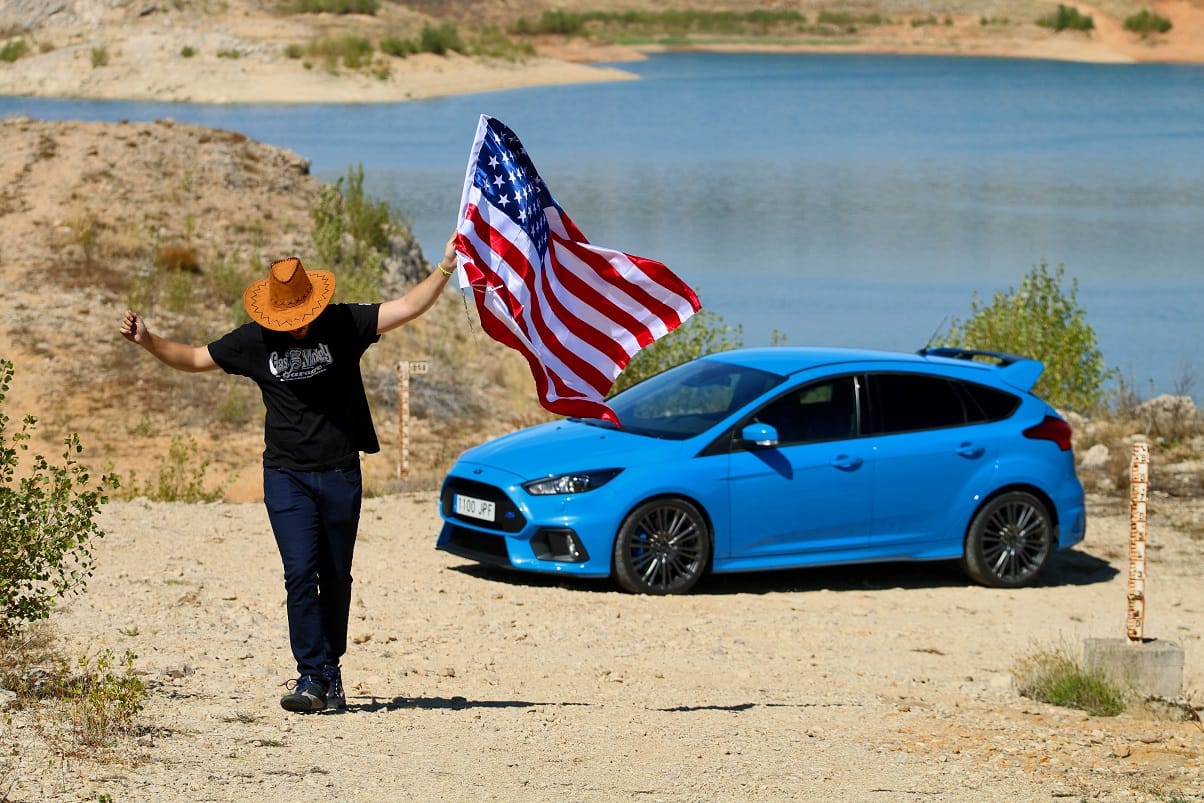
(663, 547)
(1009, 541)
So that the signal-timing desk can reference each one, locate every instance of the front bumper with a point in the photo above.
(529, 533)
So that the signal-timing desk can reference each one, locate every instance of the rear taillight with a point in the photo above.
(1053, 429)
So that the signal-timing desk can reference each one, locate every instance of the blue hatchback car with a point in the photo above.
(782, 457)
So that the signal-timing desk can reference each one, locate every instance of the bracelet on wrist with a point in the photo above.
(445, 271)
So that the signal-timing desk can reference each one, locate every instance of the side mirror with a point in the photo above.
(762, 435)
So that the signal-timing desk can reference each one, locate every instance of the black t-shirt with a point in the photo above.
(317, 412)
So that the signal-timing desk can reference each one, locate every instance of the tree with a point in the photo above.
(1043, 321)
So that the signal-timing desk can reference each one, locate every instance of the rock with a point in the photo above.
(1168, 416)
(1095, 458)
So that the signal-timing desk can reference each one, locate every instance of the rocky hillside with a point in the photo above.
(176, 220)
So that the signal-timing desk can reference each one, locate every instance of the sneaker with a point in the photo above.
(336, 699)
(308, 693)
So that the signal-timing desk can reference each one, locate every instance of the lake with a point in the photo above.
(836, 199)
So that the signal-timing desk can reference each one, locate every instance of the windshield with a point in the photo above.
(689, 399)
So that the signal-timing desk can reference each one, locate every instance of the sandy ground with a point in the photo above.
(887, 683)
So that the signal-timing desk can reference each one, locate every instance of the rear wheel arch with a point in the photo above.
(1010, 537)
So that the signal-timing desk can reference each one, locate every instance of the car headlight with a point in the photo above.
(577, 482)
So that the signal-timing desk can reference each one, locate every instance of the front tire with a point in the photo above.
(1009, 541)
(662, 548)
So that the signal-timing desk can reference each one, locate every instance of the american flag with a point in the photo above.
(577, 312)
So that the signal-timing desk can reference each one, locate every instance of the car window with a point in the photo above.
(686, 400)
(911, 402)
(987, 404)
(820, 411)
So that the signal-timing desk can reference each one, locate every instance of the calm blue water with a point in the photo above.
(848, 200)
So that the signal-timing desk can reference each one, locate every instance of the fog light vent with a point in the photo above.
(559, 544)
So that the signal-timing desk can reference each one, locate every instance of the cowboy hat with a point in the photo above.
(290, 297)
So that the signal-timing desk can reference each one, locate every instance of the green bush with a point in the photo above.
(11, 51)
(439, 39)
(493, 43)
(100, 56)
(181, 477)
(188, 51)
(1067, 17)
(353, 51)
(1055, 678)
(98, 697)
(398, 47)
(704, 333)
(351, 235)
(335, 7)
(1043, 321)
(47, 523)
(1146, 22)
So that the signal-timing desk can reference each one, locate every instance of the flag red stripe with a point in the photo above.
(544, 334)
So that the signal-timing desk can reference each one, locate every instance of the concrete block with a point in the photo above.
(1149, 667)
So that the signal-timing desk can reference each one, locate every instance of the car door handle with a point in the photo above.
(968, 449)
(846, 462)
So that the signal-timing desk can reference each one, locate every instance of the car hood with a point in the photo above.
(563, 446)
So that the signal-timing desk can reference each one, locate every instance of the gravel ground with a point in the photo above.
(887, 682)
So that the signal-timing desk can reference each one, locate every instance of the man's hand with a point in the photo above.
(133, 328)
(180, 356)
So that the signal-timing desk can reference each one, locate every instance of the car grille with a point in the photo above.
(476, 545)
(508, 519)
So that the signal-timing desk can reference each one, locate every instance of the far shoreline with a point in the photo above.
(62, 75)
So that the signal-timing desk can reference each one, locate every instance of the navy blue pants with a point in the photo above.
(315, 516)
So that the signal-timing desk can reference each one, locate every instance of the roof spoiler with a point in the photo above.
(1017, 371)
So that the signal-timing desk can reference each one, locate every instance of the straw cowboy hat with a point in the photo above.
(290, 297)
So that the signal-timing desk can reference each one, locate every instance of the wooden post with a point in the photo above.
(404, 369)
(1139, 481)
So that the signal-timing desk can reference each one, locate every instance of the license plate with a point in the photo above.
(475, 508)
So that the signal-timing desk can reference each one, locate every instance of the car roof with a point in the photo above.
(1020, 372)
(790, 359)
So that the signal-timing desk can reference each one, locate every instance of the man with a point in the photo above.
(304, 354)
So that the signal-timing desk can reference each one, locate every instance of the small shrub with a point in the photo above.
(1067, 17)
(11, 51)
(181, 477)
(1053, 677)
(398, 47)
(188, 51)
(97, 698)
(560, 23)
(849, 19)
(353, 51)
(48, 522)
(493, 43)
(1146, 22)
(103, 697)
(335, 7)
(352, 235)
(1043, 321)
(100, 56)
(440, 39)
(704, 333)
(229, 53)
(293, 51)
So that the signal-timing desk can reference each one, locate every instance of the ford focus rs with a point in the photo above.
(783, 457)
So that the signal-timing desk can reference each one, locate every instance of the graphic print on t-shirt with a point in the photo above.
(299, 363)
